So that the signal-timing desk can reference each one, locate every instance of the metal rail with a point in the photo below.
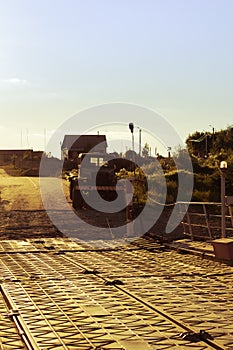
(202, 219)
(9, 333)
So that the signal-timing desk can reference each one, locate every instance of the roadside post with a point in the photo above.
(223, 168)
(223, 247)
(129, 207)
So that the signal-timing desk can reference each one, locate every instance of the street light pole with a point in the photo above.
(169, 151)
(211, 126)
(223, 167)
(131, 127)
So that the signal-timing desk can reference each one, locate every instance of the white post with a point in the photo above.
(223, 205)
(128, 196)
(223, 167)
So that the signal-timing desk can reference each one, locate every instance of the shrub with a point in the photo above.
(139, 182)
(200, 196)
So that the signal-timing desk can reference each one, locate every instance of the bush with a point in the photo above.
(139, 182)
(200, 196)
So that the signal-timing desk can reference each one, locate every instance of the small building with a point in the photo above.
(73, 145)
(18, 156)
(9, 156)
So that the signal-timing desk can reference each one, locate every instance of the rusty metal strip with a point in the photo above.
(9, 336)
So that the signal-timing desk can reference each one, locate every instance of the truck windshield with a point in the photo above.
(97, 161)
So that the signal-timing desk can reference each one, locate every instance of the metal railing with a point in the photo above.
(202, 220)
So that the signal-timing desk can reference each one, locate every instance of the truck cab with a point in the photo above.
(96, 171)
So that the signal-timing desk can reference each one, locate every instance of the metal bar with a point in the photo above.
(189, 222)
(99, 188)
(20, 325)
(231, 215)
(207, 221)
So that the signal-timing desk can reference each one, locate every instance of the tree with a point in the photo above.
(145, 150)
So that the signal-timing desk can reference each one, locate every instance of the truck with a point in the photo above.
(96, 171)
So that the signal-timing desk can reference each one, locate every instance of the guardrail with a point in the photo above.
(202, 220)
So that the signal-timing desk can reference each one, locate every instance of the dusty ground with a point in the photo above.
(19, 193)
(23, 214)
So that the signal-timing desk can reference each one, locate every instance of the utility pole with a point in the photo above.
(206, 144)
(44, 139)
(140, 142)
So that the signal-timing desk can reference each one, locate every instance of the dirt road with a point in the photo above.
(24, 193)
(23, 213)
(19, 193)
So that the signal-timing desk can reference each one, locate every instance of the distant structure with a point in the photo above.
(16, 156)
(73, 145)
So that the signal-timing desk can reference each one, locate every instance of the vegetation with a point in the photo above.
(146, 150)
(204, 144)
(206, 151)
(138, 179)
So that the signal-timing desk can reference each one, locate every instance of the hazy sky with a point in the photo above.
(58, 57)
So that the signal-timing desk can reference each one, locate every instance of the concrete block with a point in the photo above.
(223, 248)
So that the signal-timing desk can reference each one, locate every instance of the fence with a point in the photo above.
(202, 220)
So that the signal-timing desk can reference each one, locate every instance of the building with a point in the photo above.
(73, 145)
(18, 157)
(10, 156)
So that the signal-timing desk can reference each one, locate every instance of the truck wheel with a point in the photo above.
(77, 199)
(109, 195)
(71, 189)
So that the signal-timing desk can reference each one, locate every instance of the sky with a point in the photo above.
(60, 57)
